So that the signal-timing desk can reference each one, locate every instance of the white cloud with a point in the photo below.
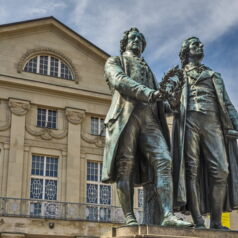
(166, 22)
(17, 10)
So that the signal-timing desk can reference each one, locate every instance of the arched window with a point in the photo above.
(49, 65)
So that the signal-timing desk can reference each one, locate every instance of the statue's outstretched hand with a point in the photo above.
(157, 96)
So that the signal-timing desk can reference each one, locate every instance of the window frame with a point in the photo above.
(98, 206)
(49, 57)
(100, 126)
(44, 177)
(47, 117)
(38, 206)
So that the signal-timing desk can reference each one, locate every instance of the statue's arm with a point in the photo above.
(231, 109)
(117, 79)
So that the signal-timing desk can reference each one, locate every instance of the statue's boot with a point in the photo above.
(217, 202)
(164, 192)
(193, 201)
(125, 193)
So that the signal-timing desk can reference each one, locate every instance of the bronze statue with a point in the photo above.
(205, 153)
(137, 136)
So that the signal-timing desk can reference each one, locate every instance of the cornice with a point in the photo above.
(68, 91)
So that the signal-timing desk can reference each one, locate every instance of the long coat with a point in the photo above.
(123, 75)
(229, 120)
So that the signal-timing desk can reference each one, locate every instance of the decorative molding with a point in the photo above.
(34, 52)
(19, 107)
(64, 154)
(98, 141)
(27, 148)
(46, 133)
(75, 116)
(6, 125)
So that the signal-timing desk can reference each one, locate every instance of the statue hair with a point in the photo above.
(183, 54)
(123, 42)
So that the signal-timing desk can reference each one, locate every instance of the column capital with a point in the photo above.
(6, 146)
(19, 107)
(75, 116)
(27, 148)
(63, 153)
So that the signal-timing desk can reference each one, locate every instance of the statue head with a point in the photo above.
(191, 50)
(133, 40)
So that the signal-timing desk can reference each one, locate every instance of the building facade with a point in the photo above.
(53, 100)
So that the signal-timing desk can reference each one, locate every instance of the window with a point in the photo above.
(140, 197)
(31, 66)
(97, 193)
(44, 173)
(49, 65)
(46, 118)
(97, 126)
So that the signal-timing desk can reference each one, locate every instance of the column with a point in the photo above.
(19, 108)
(75, 117)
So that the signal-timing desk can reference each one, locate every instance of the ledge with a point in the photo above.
(168, 232)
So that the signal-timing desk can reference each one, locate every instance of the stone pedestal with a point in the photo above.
(167, 232)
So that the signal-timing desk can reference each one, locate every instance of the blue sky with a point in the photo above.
(165, 24)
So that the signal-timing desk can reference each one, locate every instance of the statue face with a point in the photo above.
(135, 43)
(196, 49)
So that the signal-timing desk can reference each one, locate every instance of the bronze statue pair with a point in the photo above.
(200, 173)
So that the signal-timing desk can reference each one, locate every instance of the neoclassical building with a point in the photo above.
(53, 100)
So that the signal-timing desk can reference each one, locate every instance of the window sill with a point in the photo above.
(56, 129)
(96, 135)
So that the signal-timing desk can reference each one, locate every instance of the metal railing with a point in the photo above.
(63, 210)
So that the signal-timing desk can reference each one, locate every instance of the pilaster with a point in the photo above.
(19, 108)
(25, 177)
(74, 117)
(3, 188)
(63, 175)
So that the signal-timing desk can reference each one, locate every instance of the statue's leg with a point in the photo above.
(125, 194)
(192, 154)
(125, 161)
(155, 149)
(215, 151)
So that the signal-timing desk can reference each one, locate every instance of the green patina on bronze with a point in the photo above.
(137, 137)
(205, 154)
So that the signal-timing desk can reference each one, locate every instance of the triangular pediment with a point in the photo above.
(52, 24)
(22, 41)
